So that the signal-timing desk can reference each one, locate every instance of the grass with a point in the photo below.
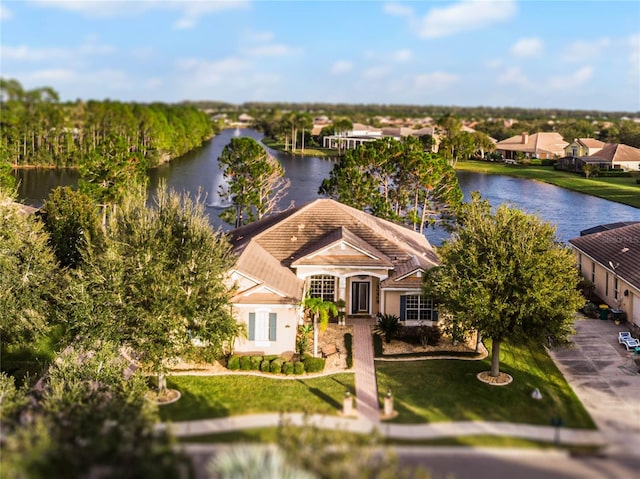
(320, 152)
(448, 390)
(619, 189)
(205, 397)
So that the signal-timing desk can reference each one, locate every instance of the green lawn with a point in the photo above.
(448, 390)
(621, 190)
(205, 397)
(320, 152)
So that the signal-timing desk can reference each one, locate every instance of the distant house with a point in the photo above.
(539, 145)
(611, 156)
(329, 250)
(583, 147)
(610, 258)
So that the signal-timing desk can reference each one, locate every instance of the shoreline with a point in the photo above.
(621, 190)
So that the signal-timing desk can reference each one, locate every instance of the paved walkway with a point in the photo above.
(598, 368)
(367, 405)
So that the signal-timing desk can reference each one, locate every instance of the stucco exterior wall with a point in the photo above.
(605, 287)
(286, 328)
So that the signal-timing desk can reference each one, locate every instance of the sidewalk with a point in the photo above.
(389, 430)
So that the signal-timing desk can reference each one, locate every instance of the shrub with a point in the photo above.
(298, 368)
(265, 366)
(313, 365)
(245, 363)
(287, 368)
(233, 363)
(591, 309)
(430, 335)
(377, 346)
(271, 357)
(638, 181)
(387, 325)
(276, 366)
(348, 345)
(255, 362)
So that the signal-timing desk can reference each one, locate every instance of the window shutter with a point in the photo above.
(403, 308)
(252, 326)
(272, 326)
(434, 313)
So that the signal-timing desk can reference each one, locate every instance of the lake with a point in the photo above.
(198, 170)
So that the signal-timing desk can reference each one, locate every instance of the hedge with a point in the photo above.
(256, 361)
(287, 368)
(313, 365)
(233, 363)
(245, 363)
(298, 368)
(276, 365)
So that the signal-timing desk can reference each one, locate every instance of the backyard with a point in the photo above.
(623, 190)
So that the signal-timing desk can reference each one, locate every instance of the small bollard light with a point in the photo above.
(388, 403)
(347, 404)
(557, 422)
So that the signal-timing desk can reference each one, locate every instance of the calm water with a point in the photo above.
(197, 171)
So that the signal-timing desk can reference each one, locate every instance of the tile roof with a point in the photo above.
(544, 142)
(617, 152)
(620, 245)
(286, 239)
(591, 142)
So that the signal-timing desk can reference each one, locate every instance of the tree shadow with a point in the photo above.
(321, 395)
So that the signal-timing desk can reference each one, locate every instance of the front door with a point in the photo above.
(360, 297)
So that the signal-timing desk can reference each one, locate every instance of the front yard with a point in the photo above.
(424, 391)
(448, 390)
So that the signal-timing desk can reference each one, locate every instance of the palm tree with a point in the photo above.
(388, 325)
(319, 309)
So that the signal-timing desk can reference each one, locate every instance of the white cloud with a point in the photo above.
(142, 53)
(340, 67)
(397, 9)
(25, 53)
(494, 64)
(271, 50)
(579, 51)
(51, 75)
(572, 81)
(5, 13)
(153, 83)
(463, 16)
(513, 76)
(527, 47)
(228, 65)
(189, 11)
(435, 80)
(377, 72)
(403, 55)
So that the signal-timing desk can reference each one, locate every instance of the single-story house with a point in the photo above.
(329, 250)
(610, 258)
(545, 145)
(610, 156)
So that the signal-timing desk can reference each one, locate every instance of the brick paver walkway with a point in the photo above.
(366, 386)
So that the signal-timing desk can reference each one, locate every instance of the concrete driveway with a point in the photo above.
(605, 378)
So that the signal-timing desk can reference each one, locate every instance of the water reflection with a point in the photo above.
(198, 171)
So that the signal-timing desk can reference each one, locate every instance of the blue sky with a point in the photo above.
(538, 54)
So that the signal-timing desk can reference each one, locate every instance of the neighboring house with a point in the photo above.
(610, 258)
(329, 250)
(357, 136)
(611, 156)
(583, 147)
(539, 145)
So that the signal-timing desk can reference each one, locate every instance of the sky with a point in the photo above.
(532, 54)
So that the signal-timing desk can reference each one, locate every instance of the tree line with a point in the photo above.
(39, 130)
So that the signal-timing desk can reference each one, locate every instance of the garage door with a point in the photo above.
(636, 309)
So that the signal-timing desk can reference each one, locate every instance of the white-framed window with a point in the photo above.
(593, 272)
(417, 307)
(323, 286)
(606, 283)
(262, 327)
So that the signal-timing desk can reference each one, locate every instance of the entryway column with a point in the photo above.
(342, 288)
